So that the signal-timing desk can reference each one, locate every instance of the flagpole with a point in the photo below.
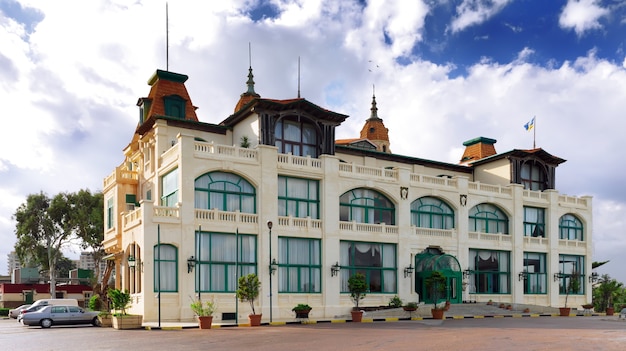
(534, 131)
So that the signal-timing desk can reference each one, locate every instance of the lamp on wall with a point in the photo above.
(334, 269)
(191, 262)
(558, 276)
(273, 266)
(522, 275)
(408, 270)
(593, 277)
(131, 262)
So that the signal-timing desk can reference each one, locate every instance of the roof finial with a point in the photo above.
(374, 109)
(298, 77)
(250, 81)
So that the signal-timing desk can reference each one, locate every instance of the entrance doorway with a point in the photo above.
(428, 262)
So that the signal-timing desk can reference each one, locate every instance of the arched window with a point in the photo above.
(165, 272)
(487, 218)
(430, 212)
(226, 192)
(298, 137)
(366, 206)
(534, 176)
(570, 228)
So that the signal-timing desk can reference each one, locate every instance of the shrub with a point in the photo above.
(395, 302)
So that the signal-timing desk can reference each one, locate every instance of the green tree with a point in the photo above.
(357, 286)
(249, 289)
(606, 293)
(44, 226)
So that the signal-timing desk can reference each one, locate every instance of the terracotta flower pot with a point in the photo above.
(205, 322)
(610, 311)
(437, 313)
(255, 319)
(564, 311)
(357, 316)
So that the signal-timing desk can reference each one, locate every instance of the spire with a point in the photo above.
(374, 129)
(374, 109)
(250, 94)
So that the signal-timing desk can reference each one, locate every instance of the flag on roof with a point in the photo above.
(530, 125)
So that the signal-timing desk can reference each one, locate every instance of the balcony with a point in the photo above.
(427, 181)
(367, 228)
(497, 239)
(212, 150)
(120, 175)
(437, 233)
(358, 171)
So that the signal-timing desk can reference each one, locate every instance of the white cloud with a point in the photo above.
(582, 15)
(473, 12)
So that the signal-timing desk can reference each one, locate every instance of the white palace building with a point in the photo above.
(270, 191)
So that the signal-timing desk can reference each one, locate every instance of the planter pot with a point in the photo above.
(255, 319)
(204, 322)
(302, 313)
(564, 311)
(105, 321)
(128, 321)
(357, 316)
(409, 309)
(437, 313)
(610, 311)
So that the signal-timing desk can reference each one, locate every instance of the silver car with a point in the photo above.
(60, 315)
(15, 311)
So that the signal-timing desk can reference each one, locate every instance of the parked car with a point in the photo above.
(32, 308)
(15, 311)
(51, 315)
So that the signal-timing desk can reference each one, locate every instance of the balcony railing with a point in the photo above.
(216, 215)
(203, 149)
(431, 180)
(375, 172)
(432, 232)
(299, 161)
(488, 188)
(306, 223)
(368, 228)
(120, 175)
(505, 238)
(132, 218)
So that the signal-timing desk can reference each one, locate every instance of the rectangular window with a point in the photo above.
(376, 261)
(490, 272)
(222, 258)
(299, 265)
(298, 197)
(110, 212)
(169, 189)
(571, 266)
(165, 272)
(534, 222)
(536, 279)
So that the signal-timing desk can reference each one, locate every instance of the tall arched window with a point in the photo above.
(431, 212)
(487, 218)
(570, 228)
(226, 192)
(534, 176)
(297, 136)
(165, 272)
(366, 206)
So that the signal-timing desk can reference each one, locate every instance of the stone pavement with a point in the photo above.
(456, 311)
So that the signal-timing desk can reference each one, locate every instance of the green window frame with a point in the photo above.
(299, 267)
(169, 188)
(490, 271)
(366, 206)
(534, 221)
(536, 273)
(568, 264)
(224, 191)
(297, 136)
(298, 197)
(165, 268)
(174, 106)
(488, 218)
(431, 212)
(377, 261)
(110, 213)
(570, 228)
(222, 258)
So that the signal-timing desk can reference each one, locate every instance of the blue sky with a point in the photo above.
(455, 70)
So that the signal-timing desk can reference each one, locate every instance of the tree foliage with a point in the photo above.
(249, 289)
(357, 285)
(607, 293)
(45, 226)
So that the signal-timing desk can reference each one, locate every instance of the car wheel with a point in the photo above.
(96, 322)
(46, 323)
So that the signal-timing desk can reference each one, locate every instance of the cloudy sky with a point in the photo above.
(445, 71)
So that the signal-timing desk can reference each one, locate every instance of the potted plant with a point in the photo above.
(120, 319)
(436, 284)
(358, 288)
(573, 285)
(410, 306)
(302, 310)
(204, 311)
(249, 288)
(104, 317)
(395, 302)
(606, 292)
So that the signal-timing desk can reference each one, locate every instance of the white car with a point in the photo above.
(15, 311)
(60, 315)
